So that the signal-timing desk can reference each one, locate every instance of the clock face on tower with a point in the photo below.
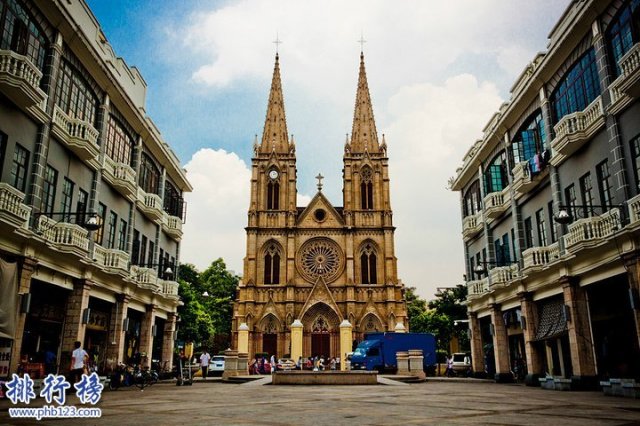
(273, 174)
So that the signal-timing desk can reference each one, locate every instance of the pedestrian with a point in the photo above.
(204, 363)
(50, 362)
(79, 358)
(332, 363)
(449, 372)
(273, 364)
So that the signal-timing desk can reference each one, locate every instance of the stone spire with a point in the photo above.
(275, 136)
(363, 135)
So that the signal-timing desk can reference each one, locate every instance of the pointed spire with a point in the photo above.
(275, 135)
(363, 135)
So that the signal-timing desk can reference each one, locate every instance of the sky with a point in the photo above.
(437, 72)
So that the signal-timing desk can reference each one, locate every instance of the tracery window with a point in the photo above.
(320, 325)
(272, 265)
(368, 265)
(20, 33)
(578, 88)
(366, 188)
(149, 179)
(496, 178)
(74, 95)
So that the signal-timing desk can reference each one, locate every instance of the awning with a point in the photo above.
(552, 321)
(8, 298)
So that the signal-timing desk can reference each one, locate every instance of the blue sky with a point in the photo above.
(437, 72)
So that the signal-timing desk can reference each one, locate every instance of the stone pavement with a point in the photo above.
(442, 402)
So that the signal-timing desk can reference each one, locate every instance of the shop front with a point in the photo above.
(96, 336)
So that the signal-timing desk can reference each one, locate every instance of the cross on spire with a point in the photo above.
(362, 41)
(319, 177)
(277, 42)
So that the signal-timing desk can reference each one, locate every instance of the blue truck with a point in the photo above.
(378, 350)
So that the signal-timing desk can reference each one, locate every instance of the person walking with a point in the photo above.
(450, 372)
(79, 358)
(273, 364)
(204, 363)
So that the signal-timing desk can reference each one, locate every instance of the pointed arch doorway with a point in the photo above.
(321, 331)
(320, 338)
(270, 335)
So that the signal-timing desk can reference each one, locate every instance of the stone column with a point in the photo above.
(146, 334)
(74, 329)
(296, 340)
(477, 354)
(535, 369)
(580, 341)
(402, 358)
(346, 332)
(243, 364)
(416, 363)
(115, 348)
(24, 287)
(500, 345)
(633, 271)
(243, 338)
(169, 339)
(230, 363)
(400, 328)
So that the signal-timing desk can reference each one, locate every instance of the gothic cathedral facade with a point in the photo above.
(320, 264)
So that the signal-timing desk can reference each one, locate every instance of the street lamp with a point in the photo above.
(166, 274)
(566, 214)
(482, 269)
(93, 221)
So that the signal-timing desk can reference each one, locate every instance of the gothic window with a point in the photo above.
(149, 179)
(366, 188)
(272, 265)
(368, 264)
(273, 191)
(371, 324)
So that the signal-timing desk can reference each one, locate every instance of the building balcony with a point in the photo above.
(146, 278)
(78, 135)
(576, 129)
(539, 257)
(111, 259)
(497, 203)
(477, 288)
(630, 75)
(12, 210)
(501, 276)
(471, 225)
(170, 288)
(121, 176)
(634, 211)
(150, 205)
(20, 79)
(592, 231)
(619, 100)
(524, 180)
(66, 237)
(172, 225)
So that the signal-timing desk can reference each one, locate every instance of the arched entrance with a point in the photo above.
(269, 329)
(321, 331)
(320, 337)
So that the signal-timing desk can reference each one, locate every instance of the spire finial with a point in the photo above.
(277, 42)
(319, 177)
(362, 41)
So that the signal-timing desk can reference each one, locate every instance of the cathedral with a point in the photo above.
(319, 266)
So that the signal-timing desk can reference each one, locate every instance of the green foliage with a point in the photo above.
(208, 305)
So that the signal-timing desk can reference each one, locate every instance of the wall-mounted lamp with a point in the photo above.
(566, 313)
(85, 315)
(25, 303)
(481, 268)
(125, 324)
(523, 322)
(154, 330)
(492, 329)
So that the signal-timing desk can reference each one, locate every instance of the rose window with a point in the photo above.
(320, 258)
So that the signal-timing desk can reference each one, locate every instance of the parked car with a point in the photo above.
(216, 365)
(461, 363)
(285, 364)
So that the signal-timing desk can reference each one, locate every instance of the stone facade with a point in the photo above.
(319, 264)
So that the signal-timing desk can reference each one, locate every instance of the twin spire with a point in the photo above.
(363, 134)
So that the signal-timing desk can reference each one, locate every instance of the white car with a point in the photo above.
(216, 365)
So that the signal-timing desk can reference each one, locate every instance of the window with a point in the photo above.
(506, 256)
(149, 179)
(74, 95)
(635, 148)
(135, 250)
(20, 33)
(586, 190)
(67, 199)
(472, 200)
(49, 189)
(98, 235)
(570, 197)
(368, 265)
(578, 88)
(554, 236)
(530, 139)
(150, 256)
(111, 236)
(528, 233)
(604, 184)
(273, 195)
(496, 178)
(271, 265)
(119, 142)
(19, 167)
(81, 206)
(173, 201)
(122, 235)
(3, 148)
(143, 251)
(622, 32)
(513, 238)
(542, 230)
(366, 188)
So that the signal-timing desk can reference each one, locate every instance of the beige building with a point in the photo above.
(319, 264)
(75, 141)
(550, 202)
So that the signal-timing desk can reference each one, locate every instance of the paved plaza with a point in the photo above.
(439, 402)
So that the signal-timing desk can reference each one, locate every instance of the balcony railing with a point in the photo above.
(539, 257)
(496, 203)
(20, 79)
(111, 258)
(523, 180)
(634, 211)
(170, 288)
(477, 288)
(575, 129)
(11, 208)
(146, 278)
(121, 176)
(593, 230)
(79, 136)
(630, 75)
(64, 236)
(151, 205)
(172, 225)
(502, 275)
(471, 225)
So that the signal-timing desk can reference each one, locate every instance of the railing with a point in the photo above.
(75, 128)
(472, 224)
(170, 288)
(496, 202)
(579, 121)
(20, 67)
(630, 62)
(634, 209)
(173, 224)
(146, 278)
(540, 256)
(111, 258)
(11, 202)
(151, 204)
(62, 233)
(477, 287)
(503, 274)
(120, 171)
(593, 229)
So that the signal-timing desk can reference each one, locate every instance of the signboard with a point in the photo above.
(5, 358)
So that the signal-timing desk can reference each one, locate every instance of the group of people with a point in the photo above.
(318, 363)
(264, 365)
